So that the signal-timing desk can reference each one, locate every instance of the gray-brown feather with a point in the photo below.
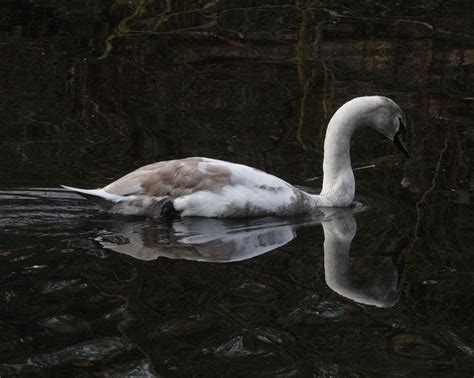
(174, 178)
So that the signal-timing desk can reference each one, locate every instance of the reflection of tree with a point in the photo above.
(240, 72)
(439, 182)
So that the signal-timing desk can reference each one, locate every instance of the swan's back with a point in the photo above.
(176, 178)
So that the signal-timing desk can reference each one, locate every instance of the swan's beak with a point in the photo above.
(399, 142)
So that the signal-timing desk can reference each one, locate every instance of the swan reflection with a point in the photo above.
(382, 287)
(226, 240)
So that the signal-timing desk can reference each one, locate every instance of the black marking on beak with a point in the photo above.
(398, 140)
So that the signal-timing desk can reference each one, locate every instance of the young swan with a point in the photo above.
(205, 187)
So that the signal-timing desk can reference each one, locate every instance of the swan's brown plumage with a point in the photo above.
(173, 178)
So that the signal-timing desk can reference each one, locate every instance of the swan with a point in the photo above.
(203, 187)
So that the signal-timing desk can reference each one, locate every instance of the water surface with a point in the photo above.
(90, 92)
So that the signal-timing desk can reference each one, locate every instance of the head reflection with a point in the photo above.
(223, 241)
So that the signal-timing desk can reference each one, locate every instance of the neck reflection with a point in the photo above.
(223, 241)
(380, 288)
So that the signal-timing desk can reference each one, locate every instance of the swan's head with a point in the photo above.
(385, 116)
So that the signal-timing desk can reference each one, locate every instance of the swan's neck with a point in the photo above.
(338, 179)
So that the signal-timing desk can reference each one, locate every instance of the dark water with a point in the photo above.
(91, 90)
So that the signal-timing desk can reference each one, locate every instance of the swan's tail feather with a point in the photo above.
(100, 197)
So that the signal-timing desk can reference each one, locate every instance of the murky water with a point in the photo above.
(90, 92)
